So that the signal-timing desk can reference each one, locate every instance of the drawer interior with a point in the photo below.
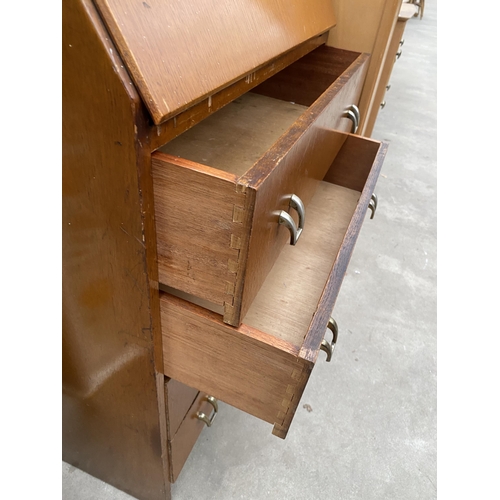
(234, 138)
(287, 301)
(266, 361)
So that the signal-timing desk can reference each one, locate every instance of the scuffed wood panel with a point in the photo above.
(179, 52)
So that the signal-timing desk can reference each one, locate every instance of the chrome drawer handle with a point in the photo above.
(402, 42)
(353, 114)
(398, 54)
(286, 220)
(327, 346)
(355, 109)
(373, 205)
(201, 416)
(382, 105)
(388, 87)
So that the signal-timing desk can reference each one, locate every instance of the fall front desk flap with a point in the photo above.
(179, 52)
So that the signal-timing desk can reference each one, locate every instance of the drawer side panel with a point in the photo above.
(201, 222)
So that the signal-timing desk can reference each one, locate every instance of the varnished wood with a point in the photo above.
(179, 53)
(180, 398)
(202, 219)
(113, 407)
(262, 366)
(247, 240)
(236, 137)
(390, 60)
(246, 368)
(295, 165)
(185, 438)
(366, 26)
(172, 128)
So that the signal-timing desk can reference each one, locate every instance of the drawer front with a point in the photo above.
(182, 443)
(180, 398)
(217, 230)
(294, 165)
(263, 366)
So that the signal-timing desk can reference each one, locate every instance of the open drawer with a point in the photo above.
(262, 366)
(227, 190)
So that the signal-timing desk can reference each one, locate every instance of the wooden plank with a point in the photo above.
(112, 428)
(351, 167)
(202, 221)
(172, 128)
(310, 347)
(174, 69)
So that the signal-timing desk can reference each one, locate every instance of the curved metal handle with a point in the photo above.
(201, 416)
(373, 205)
(355, 109)
(402, 42)
(352, 115)
(388, 87)
(382, 105)
(329, 347)
(398, 54)
(285, 219)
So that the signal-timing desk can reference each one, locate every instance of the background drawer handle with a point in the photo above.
(398, 54)
(286, 220)
(201, 416)
(373, 205)
(353, 114)
(327, 346)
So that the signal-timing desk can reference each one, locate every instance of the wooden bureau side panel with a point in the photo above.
(294, 165)
(245, 368)
(202, 226)
(178, 53)
(113, 415)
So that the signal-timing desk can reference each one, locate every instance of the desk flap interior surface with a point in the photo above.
(180, 52)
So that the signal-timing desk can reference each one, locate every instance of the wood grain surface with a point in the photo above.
(389, 62)
(181, 444)
(172, 128)
(178, 53)
(113, 408)
(294, 165)
(259, 144)
(246, 368)
(180, 398)
(366, 26)
(263, 366)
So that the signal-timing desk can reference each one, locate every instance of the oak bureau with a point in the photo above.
(213, 190)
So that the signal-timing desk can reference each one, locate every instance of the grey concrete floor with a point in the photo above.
(366, 425)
